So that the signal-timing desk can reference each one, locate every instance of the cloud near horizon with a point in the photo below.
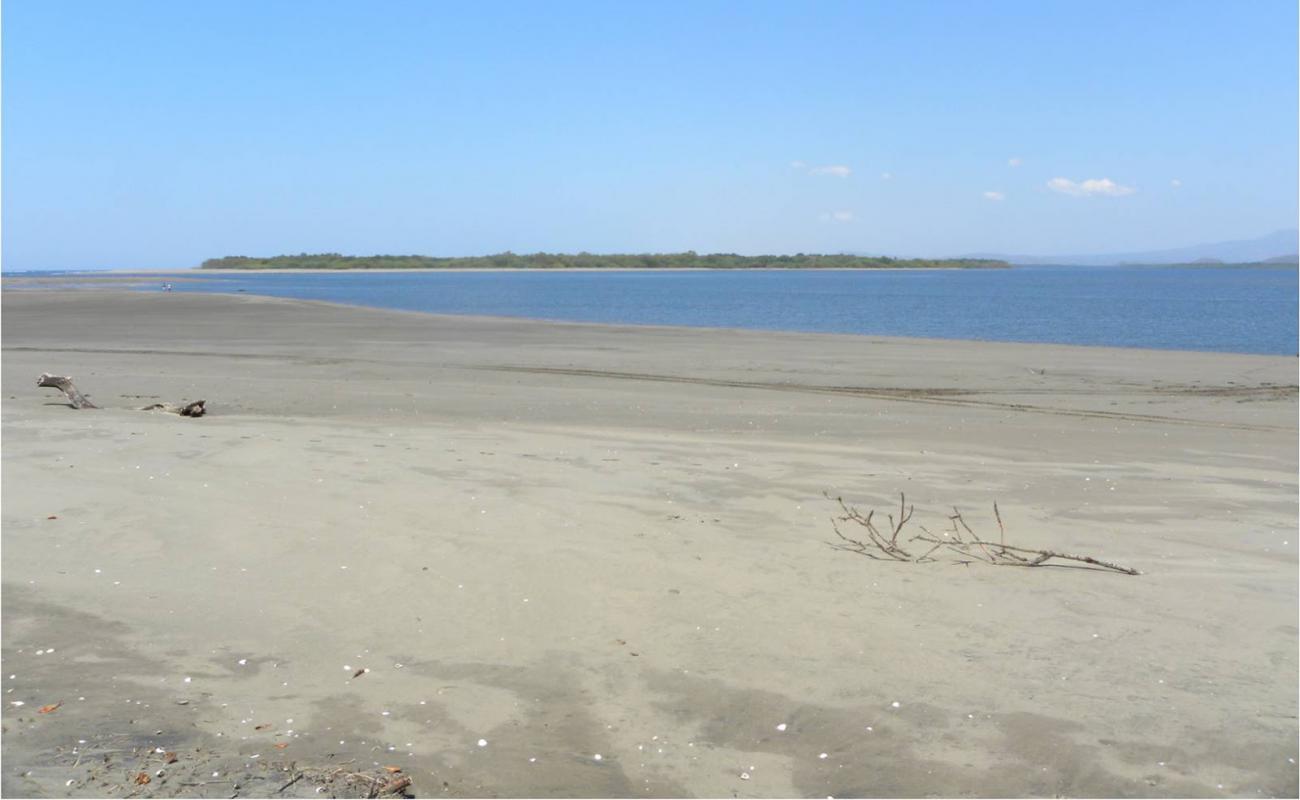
(995, 196)
(838, 170)
(837, 216)
(1014, 162)
(835, 170)
(1089, 187)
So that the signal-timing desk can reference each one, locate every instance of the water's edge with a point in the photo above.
(1241, 310)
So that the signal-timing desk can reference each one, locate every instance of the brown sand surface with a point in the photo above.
(569, 540)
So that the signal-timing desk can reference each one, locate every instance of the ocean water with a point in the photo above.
(1229, 309)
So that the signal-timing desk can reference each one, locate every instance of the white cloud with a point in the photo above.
(797, 165)
(886, 176)
(1089, 187)
(838, 170)
(1014, 162)
(1175, 183)
(837, 216)
(995, 196)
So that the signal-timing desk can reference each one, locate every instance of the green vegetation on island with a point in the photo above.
(689, 260)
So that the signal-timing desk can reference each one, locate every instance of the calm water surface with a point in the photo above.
(1245, 310)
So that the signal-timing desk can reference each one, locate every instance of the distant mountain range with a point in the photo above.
(1279, 247)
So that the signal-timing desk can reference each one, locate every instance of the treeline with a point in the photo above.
(689, 260)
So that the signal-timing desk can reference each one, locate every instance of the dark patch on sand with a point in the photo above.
(116, 721)
(554, 727)
(915, 750)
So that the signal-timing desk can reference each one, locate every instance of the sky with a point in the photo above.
(158, 134)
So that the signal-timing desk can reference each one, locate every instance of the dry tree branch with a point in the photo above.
(857, 546)
(996, 553)
(957, 519)
(1044, 555)
(889, 548)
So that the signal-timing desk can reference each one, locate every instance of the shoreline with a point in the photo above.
(654, 326)
(278, 271)
(412, 494)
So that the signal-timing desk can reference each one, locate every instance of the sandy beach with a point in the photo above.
(583, 560)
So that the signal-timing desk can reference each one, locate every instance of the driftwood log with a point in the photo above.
(958, 540)
(78, 400)
(64, 384)
(194, 409)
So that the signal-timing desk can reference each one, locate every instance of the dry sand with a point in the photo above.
(571, 540)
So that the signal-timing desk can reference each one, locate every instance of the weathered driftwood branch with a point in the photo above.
(77, 400)
(64, 384)
(194, 409)
(958, 538)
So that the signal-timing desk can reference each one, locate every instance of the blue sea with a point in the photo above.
(1228, 309)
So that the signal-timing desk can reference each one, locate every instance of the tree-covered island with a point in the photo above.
(689, 260)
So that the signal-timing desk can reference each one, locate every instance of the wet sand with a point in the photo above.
(568, 540)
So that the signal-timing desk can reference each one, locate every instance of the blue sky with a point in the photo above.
(157, 134)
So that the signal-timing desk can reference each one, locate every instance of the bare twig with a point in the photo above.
(957, 519)
(291, 782)
(1002, 532)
